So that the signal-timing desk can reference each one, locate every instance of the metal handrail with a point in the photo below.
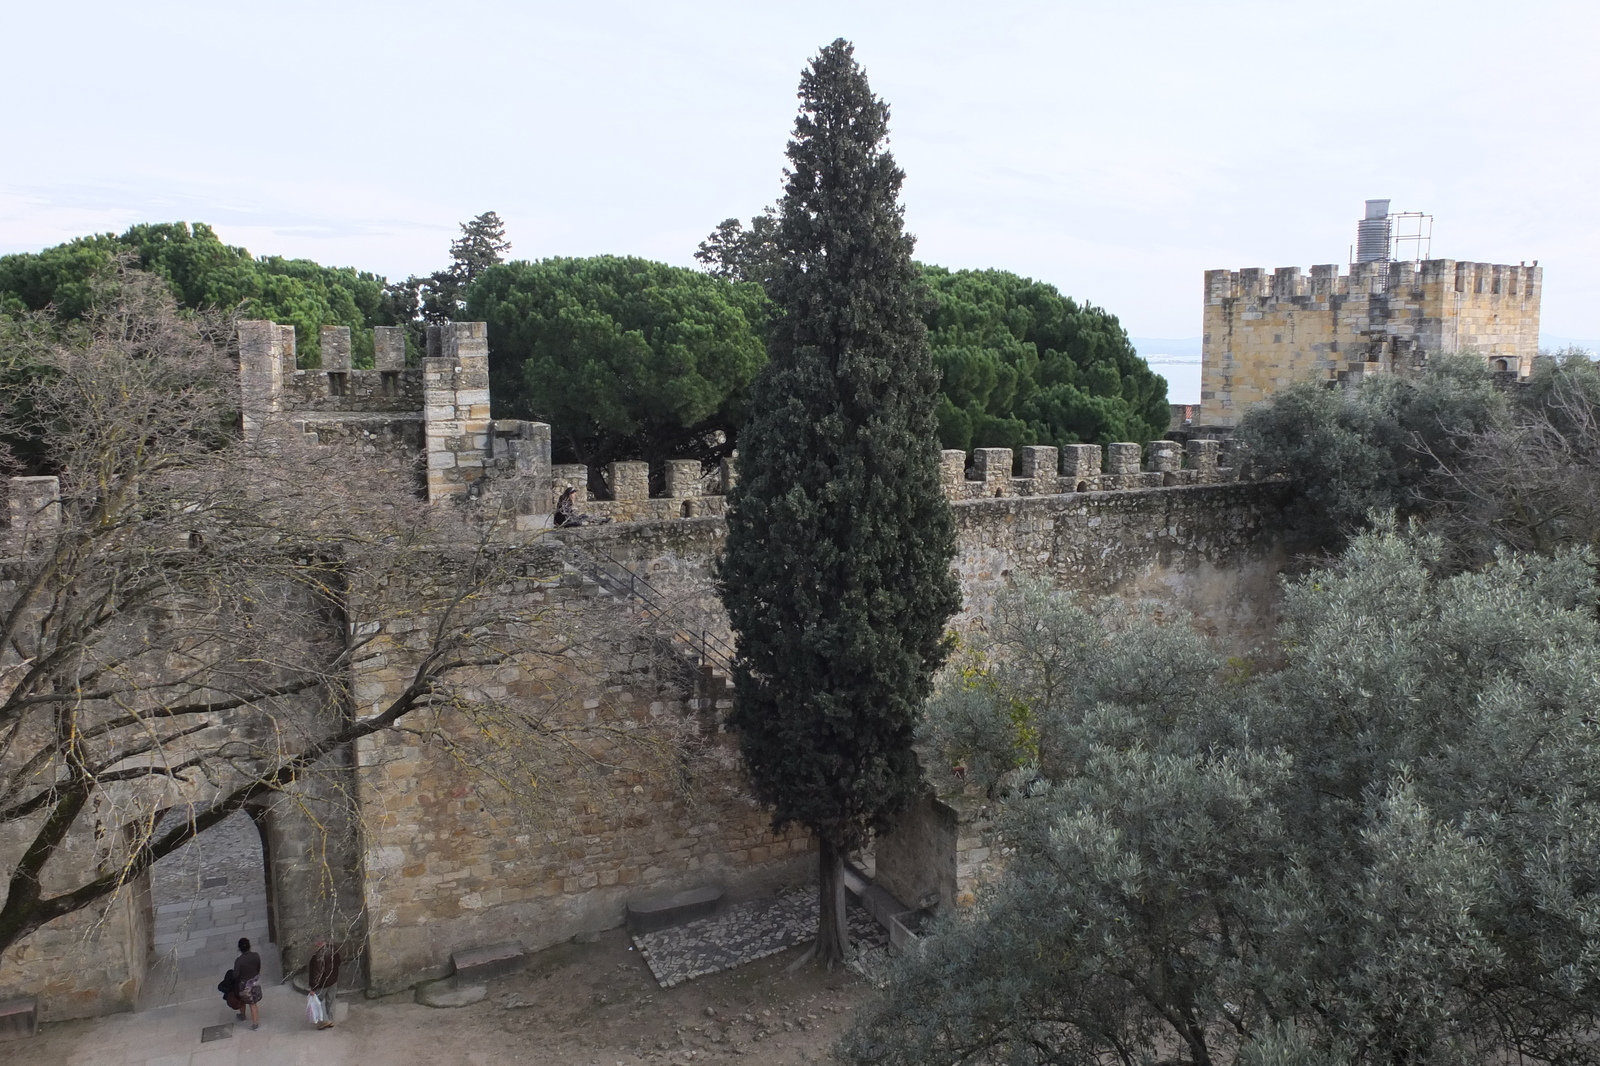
(710, 648)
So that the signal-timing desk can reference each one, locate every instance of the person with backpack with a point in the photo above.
(229, 987)
(247, 972)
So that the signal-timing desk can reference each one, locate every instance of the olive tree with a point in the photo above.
(1379, 446)
(1388, 850)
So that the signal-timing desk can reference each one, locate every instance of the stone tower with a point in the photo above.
(1266, 331)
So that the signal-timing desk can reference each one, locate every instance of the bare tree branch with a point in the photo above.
(191, 635)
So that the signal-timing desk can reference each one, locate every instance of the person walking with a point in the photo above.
(247, 972)
(324, 979)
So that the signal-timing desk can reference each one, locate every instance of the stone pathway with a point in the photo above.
(206, 895)
(744, 933)
(175, 1035)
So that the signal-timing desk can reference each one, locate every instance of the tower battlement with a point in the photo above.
(439, 409)
(1268, 329)
(1375, 279)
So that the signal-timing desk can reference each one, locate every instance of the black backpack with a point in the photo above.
(229, 985)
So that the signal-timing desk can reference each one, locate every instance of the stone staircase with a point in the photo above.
(205, 896)
(708, 653)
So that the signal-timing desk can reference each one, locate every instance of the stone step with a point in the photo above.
(450, 992)
(872, 898)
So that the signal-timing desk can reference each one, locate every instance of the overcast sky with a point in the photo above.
(1114, 149)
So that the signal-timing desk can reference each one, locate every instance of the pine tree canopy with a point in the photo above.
(837, 571)
(482, 244)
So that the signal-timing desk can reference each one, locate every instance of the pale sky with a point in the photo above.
(1116, 150)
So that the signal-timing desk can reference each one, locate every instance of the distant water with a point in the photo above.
(1178, 360)
(1184, 346)
(1182, 373)
(1551, 342)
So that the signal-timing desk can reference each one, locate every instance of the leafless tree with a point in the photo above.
(1530, 480)
(190, 638)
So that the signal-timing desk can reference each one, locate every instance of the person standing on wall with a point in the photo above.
(324, 979)
(247, 972)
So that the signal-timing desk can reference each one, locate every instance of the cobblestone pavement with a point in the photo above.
(744, 933)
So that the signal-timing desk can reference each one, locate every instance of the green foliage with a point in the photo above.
(203, 273)
(1375, 448)
(625, 358)
(1001, 708)
(1022, 364)
(22, 448)
(836, 574)
(1019, 363)
(442, 295)
(482, 244)
(63, 277)
(1386, 852)
(741, 253)
(1532, 481)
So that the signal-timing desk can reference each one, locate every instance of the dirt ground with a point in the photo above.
(590, 1004)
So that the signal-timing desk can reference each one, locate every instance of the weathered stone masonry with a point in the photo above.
(1266, 331)
(447, 869)
(437, 869)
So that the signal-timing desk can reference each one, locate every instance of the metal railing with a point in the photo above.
(706, 647)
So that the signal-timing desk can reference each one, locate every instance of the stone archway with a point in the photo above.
(203, 898)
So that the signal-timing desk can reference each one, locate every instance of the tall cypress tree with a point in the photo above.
(836, 574)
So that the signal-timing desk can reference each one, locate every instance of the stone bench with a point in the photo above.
(874, 899)
(19, 1018)
(480, 964)
(661, 912)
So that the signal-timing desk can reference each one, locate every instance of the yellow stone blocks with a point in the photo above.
(1265, 332)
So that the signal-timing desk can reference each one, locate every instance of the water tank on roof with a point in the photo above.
(1373, 233)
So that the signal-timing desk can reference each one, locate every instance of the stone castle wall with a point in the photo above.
(96, 960)
(434, 864)
(454, 861)
(1210, 551)
(1266, 331)
(940, 853)
(443, 870)
(91, 962)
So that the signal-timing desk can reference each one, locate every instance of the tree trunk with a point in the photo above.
(833, 936)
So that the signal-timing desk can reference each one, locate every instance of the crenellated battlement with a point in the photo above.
(984, 473)
(1266, 330)
(270, 378)
(438, 410)
(1257, 284)
(1049, 471)
(378, 409)
(441, 411)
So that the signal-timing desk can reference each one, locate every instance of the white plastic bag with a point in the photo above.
(314, 1012)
